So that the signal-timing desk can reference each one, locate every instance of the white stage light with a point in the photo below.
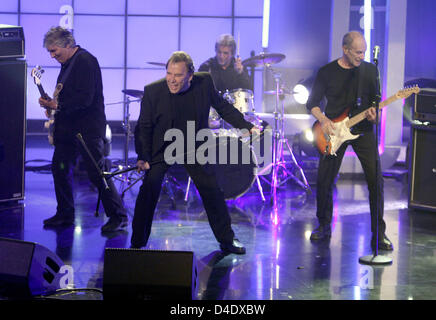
(301, 94)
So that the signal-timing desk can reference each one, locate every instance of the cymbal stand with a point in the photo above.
(280, 173)
(127, 181)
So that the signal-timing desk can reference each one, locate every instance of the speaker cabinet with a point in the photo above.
(12, 129)
(11, 41)
(422, 167)
(135, 274)
(27, 269)
(425, 105)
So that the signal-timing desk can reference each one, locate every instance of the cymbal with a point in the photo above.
(263, 59)
(159, 64)
(134, 93)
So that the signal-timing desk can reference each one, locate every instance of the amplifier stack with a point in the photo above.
(422, 161)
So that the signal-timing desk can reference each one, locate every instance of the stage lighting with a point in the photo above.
(302, 89)
(308, 135)
(303, 144)
(301, 94)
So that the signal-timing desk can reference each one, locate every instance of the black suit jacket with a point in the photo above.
(156, 118)
(81, 100)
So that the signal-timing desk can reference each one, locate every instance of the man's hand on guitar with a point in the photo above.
(327, 126)
(371, 114)
(142, 165)
(48, 103)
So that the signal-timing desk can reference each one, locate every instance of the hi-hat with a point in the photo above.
(159, 64)
(134, 93)
(263, 59)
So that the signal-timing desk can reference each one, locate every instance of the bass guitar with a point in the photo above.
(329, 144)
(36, 74)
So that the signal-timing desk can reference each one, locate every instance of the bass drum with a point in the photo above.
(236, 164)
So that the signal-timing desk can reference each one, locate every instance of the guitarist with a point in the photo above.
(348, 83)
(79, 109)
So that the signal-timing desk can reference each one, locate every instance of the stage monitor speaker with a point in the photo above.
(422, 167)
(12, 129)
(136, 274)
(27, 269)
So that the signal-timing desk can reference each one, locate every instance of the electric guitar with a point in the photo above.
(329, 144)
(49, 124)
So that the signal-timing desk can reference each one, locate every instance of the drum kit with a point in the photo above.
(236, 180)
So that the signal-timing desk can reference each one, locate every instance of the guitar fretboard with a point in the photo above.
(362, 116)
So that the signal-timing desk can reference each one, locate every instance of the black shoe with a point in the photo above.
(115, 224)
(234, 247)
(59, 220)
(383, 243)
(321, 233)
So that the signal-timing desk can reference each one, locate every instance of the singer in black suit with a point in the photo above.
(349, 82)
(170, 103)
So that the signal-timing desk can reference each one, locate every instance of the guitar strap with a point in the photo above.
(68, 70)
(361, 71)
(358, 99)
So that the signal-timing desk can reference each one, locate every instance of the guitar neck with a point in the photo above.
(362, 115)
(43, 94)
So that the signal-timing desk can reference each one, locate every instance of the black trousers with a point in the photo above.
(63, 162)
(328, 169)
(211, 195)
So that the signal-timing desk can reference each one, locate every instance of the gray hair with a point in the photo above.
(182, 56)
(349, 37)
(226, 40)
(60, 37)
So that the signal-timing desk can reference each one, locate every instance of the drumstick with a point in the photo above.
(237, 46)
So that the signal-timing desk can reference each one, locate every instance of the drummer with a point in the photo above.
(227, 71)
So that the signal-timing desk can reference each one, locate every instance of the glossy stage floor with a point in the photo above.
(281, 262)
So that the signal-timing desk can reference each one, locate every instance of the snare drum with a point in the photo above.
(242, 99)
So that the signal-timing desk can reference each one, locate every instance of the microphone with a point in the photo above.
(375, 53)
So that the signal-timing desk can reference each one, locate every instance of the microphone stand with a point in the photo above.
(104, 175)
(376, 259)
(108, 175)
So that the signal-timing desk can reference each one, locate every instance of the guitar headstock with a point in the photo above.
(36, 74)
(408, 91)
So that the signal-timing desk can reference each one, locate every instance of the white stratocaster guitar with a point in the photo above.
(329, 144)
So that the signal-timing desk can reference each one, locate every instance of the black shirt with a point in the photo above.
(340, 87)
(226, 79)
(183, 105)
(183, 115)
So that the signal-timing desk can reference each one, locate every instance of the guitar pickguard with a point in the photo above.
(341, 134)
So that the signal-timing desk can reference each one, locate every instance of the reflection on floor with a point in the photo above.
(281, 262)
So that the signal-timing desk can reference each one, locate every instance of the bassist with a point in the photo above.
(79, 109)
(349, 86)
